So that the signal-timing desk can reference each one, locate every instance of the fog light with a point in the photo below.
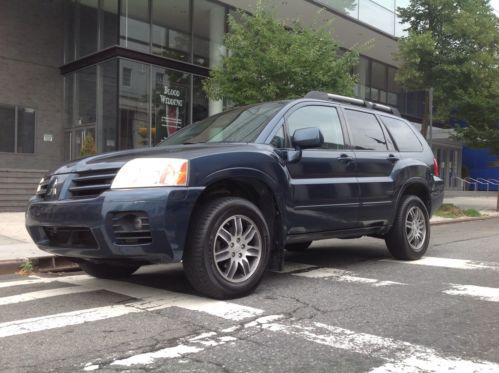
(137, 223)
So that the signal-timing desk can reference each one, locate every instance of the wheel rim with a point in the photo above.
(237, 249)
(415, 228)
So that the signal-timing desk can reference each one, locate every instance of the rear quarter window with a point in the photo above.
(403, 136)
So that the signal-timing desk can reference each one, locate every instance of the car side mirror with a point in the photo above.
(305, 138)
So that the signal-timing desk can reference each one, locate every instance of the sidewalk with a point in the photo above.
(16, 244)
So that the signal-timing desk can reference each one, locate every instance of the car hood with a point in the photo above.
(118, 159)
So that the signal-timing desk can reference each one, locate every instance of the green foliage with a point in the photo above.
(88, 147)
(269, 61)
(26, 267)
(449, 210)
(452, 47)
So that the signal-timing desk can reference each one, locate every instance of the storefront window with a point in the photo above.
(135, 25)
(200, 104)
(86, 81)
(108, 103)
(133, 129)
(170, 103)
(171, 36)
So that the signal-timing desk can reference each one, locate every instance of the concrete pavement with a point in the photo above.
(16, 244)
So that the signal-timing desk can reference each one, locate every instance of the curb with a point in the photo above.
(463, 220)
(49, 263)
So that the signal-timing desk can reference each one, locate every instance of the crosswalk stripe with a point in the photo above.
(37, 280)
(60, 320)
(26, 297)
(478, 292)
(401, 357)
(448, 263)
(341, 275)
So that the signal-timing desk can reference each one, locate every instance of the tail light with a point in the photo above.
(435, 167)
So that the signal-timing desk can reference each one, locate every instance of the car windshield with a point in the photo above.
(242, 124)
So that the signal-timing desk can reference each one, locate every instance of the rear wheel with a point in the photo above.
(299, 246)
(410, 235)
(228, 248)
(106, 270)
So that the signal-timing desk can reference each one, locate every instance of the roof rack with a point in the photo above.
(352, 101)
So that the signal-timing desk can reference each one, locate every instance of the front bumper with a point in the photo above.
(168, 210)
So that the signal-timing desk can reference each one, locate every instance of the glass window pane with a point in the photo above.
(69, 36)
(365, 130)
(87, 96)
(199, 100)
(69, 100)
(323, 117)
(135, 25)
(403, 136)
(208, 31)
(378, 79)
(109, 119)
(170, 103)
(393, 85)
(344, 6)
(109, 23)
(377, 16)
(87, 31)
(388, 4)
(25, 130)
(7, 128)
(171, 29)
(133, 129)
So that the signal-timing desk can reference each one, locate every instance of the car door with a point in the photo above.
(325, 194)
(375, 158)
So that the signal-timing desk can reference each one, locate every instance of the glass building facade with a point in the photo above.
(380, 14)
(134, 70)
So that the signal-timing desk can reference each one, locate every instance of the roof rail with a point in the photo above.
(352, 101)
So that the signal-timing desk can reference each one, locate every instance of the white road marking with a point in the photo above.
(478, 292)
(26, 297)
(448, 263)
(60, 320)
(192, 345)
(401, 357)
(36, 280)
(341, 275)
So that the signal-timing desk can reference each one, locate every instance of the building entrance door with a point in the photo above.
(80, 142)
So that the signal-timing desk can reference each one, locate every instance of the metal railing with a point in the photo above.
(468, 182)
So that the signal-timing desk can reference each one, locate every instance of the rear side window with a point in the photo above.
(365, 130)
(323, 117)
(403, 136)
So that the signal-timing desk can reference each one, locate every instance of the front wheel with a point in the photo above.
(409, 237)
(106, 270)
(228, 248)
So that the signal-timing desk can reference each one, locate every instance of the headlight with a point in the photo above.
(152, 172)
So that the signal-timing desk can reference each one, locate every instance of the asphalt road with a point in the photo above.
(341, 306)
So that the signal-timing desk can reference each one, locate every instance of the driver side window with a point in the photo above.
(325, 118)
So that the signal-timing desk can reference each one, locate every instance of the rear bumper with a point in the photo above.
(84, 227)
(437, 194)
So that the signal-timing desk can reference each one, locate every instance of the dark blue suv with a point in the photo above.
(227, 195)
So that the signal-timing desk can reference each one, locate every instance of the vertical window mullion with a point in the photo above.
(16, 118)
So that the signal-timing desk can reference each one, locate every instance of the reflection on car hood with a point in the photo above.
(118, 159)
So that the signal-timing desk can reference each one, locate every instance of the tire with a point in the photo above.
(409, 236)
(106, 270)
(300, 246)
(219, 229)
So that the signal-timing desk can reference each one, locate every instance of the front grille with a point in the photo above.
(131, 228)
(90, 184)
(71, 237)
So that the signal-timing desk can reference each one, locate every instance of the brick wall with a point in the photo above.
(31, 51)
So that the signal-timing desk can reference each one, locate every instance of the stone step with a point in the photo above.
(20, 179)
(14, 197)
(13, 206)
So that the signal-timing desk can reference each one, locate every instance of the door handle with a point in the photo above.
(345, 157)
(392, 158)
